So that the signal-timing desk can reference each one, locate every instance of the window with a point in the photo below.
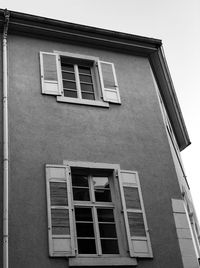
(80, 79)
(94, 214)
(77, 80)
(85, 202)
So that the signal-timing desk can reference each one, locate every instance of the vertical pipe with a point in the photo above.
(5, 142)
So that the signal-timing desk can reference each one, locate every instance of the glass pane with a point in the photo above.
(70, 85)
(87, 87)
(83, 214)
(88, 96)
(101, 182)
(50, 69)
(68, 76)
(86, 246)
(84, 70)
(79, 180)
(84, 229)
(67, 67)
(60, 221)
(136, 224)
(102, 189)
(105, 215)
(132, 197)
(108, 77)
(70, 94)
(109, 246)
(81, 194)
(58, 193)
(107, 230)
(85, 78)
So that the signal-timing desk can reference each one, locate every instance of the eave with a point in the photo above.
(36, 26)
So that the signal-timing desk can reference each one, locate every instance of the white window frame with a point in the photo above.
(97, 91)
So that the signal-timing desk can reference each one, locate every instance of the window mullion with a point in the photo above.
(97, 233)
(95, 218)
(78, 84)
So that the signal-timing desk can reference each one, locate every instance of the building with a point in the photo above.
(92, 133)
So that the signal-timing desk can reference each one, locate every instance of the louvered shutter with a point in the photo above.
(50, 73)
(134, 215)
(108, 79)
(59, 205)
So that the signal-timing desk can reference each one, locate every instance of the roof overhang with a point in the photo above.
(36, 26)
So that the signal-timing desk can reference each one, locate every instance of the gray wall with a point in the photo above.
(1, 159)
(45, 131)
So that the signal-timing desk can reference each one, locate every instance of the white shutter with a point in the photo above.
(134, 215)
(108, 79)
(59, 205)
(50, 73)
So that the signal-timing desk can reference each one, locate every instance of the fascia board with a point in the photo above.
(166, 87)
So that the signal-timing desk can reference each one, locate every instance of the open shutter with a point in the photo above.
(134, 215)
(59, 205)
(108, 79)
(51, 82)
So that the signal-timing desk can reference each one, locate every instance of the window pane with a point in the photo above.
(84, 229)
(101, 182)
(79, 180)
(60, 221)
(136, 224)
(102, 189)
(132, 197)
(105, 215)
(88, 96)
(107, 230)
(70, 85)
(70, 94)
(58, 193)
(68, 76)
(86, 246)
(83, 214)
(67, 67)
(84, 70)
(109, 246)
(87, 87)
(81, 194)
(85, 78)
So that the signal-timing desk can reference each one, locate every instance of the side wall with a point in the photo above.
(44, 131)
(1, 157)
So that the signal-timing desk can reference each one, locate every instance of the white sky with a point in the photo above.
(176, 22)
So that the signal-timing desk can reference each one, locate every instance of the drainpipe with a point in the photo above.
(5, 141)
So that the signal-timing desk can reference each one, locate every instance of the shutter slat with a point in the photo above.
(60, 221)
(50, 73)
(108, 79)
(134, 215)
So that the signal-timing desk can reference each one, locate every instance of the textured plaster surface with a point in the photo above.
(44, 131)
(1, 156)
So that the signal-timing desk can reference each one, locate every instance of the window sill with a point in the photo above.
(102, 261)
(83, 102)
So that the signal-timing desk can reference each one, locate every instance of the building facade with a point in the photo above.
(93, 169)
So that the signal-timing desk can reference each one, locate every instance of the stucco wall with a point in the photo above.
(1, 150)
(45, 131)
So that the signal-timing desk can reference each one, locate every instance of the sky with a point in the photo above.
(176, 22)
